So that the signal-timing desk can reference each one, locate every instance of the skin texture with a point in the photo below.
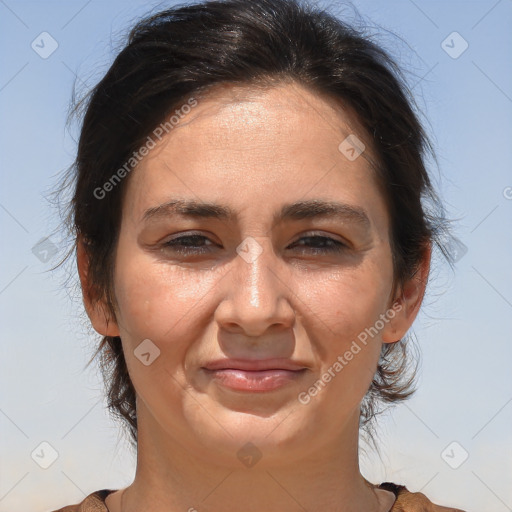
(253, 150)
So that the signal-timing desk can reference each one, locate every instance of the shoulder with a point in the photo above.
(95, 502)
(407, 501)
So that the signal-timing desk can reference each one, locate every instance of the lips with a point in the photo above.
(255, 364)
(254, 375)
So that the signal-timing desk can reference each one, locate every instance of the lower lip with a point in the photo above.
(255, 381)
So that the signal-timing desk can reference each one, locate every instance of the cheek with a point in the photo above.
(344, 308)
(164, 302)
(160, 302)
(167, 305)
(347, 307)
(349, 301)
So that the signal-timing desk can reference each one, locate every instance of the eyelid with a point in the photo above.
(330, 245)
(324, 234)
(334, 238)
(186, 234)
(305, 234)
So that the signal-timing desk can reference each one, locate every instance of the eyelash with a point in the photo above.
(177, 245)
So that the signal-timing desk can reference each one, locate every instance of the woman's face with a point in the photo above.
(235, 294)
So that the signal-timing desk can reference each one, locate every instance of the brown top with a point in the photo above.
(406, 501)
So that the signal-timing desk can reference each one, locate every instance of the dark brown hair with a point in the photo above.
(183, 52)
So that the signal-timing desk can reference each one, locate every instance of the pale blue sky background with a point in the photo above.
(465, 392)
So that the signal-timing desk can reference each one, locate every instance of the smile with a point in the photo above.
(254, 380)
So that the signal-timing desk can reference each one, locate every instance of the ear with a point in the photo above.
(97, 310)
(407, 303)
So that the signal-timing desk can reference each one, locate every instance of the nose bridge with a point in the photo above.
(256, 269)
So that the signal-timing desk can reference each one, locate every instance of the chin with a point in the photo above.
(242, 438)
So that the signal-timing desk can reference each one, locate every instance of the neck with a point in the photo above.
(174, 476)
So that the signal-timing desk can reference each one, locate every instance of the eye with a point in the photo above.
(188, 245)
(195, 244)
(320, 245)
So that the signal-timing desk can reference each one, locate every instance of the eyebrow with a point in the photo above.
(307, 209)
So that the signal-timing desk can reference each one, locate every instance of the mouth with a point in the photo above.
(253, 375)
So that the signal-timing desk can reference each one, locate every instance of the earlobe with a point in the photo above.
(97, 311)
(408, 302)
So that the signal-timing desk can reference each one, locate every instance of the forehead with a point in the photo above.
(247, 144)
(288, 110)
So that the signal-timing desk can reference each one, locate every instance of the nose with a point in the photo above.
(257, 295)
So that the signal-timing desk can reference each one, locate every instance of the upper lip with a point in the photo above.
(254, 364)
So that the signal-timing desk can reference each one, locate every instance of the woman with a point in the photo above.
(253, 245)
